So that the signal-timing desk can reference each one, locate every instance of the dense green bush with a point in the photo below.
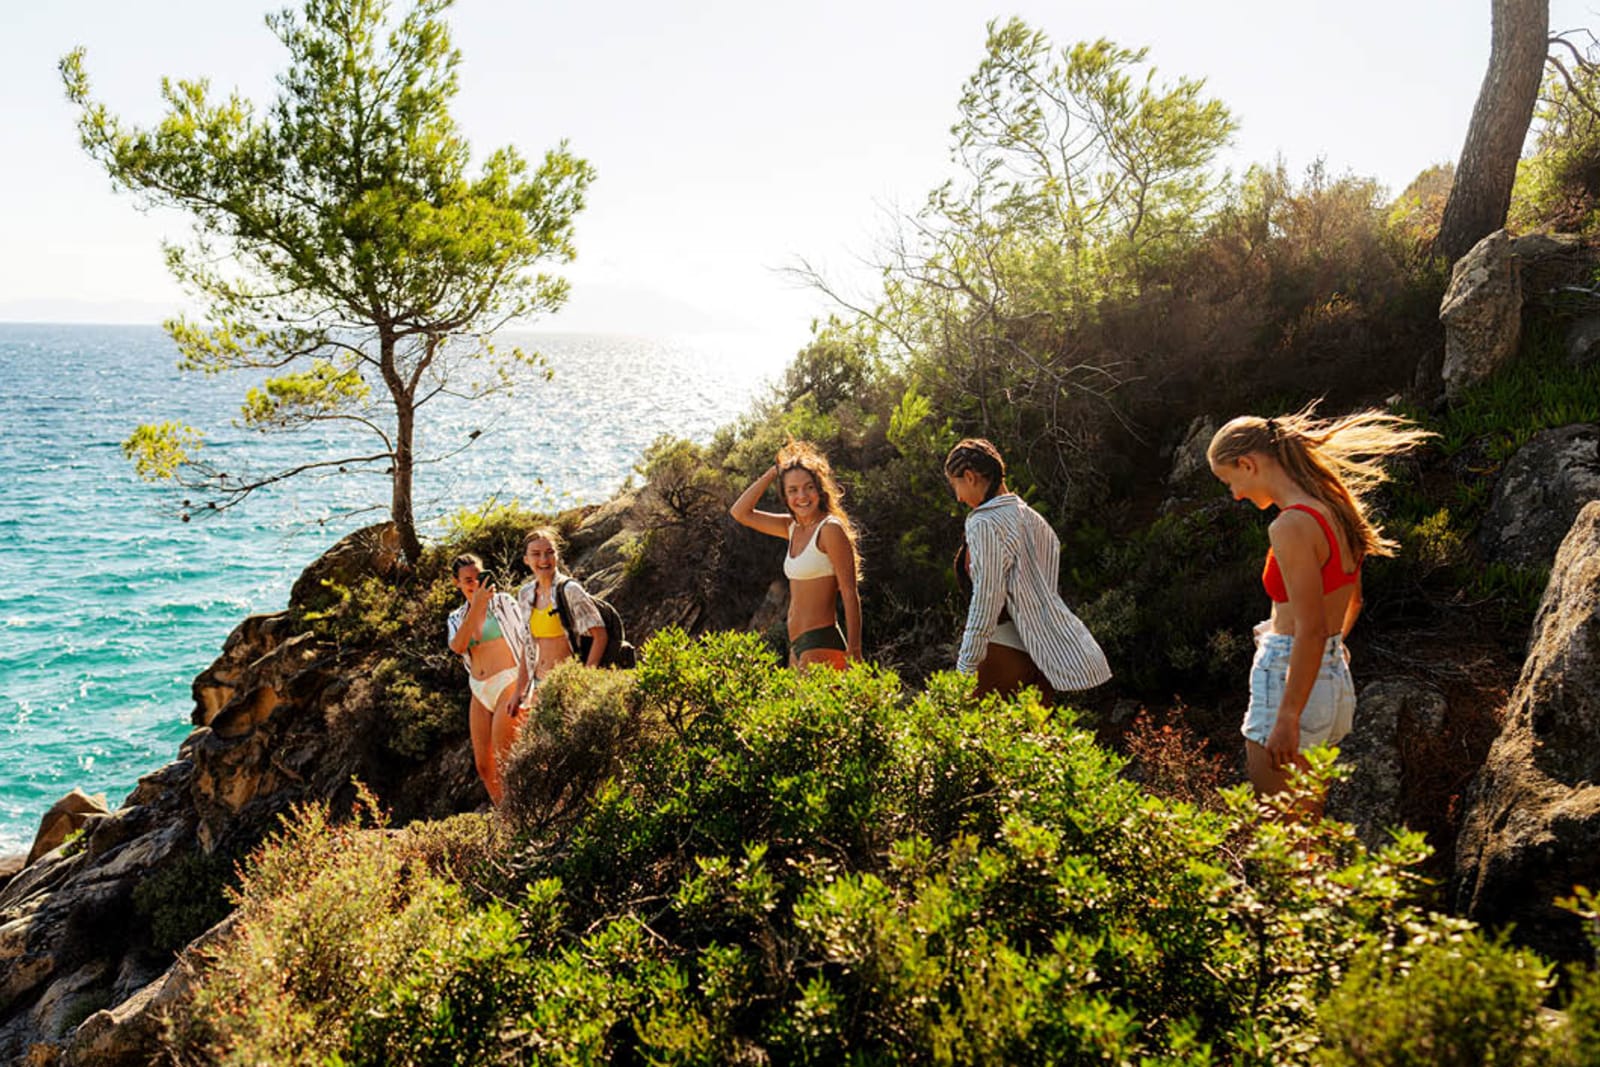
(824, 868)
(185, 898)
(585, 724)
(1462, 1002)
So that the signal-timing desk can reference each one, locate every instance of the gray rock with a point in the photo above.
(1369, 798)
(129, 1034)
(1583, 341)
(1189, 458)
(602, 524)
(1545, 245)
(1481, 312)
(771, 616)
(1532, 825)
(1539, 493)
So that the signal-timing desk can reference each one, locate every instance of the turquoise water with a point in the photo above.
(109, 606)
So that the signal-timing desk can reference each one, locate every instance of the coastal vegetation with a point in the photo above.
(711, 859)
(832, 868)
(344, 254)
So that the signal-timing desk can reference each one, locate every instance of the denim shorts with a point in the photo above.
(1329, 709)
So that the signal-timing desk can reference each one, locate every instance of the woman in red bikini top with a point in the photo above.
(1315, 472)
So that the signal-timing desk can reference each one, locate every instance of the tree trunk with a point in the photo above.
(1481, 193)
(404, 465)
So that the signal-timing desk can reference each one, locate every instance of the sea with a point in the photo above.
(111, 603)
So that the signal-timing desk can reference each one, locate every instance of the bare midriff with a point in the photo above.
(1335, 606)
(552, 650)
(491, 657)
(812, 604)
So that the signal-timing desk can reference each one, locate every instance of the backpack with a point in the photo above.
(619, 652)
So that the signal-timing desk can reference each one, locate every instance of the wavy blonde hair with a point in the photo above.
(1338, 461)
(805, 456)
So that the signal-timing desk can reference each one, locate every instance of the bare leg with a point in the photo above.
(503, 734)
(481, 726)
(1268, 779)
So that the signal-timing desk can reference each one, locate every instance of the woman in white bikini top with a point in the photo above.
(812, 562)
(821, 562)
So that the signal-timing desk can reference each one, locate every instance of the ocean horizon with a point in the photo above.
(110, 605)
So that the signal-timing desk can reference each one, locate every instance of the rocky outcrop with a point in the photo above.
(1583, 342)
(1539, 493)
(1481, 312)
(66, 817)
(1370, 798)
(1189, 457)
(604, 542)
(283, 716)
(1532, 825)
(123, 1036)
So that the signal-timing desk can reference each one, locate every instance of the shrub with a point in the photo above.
(335, 923)
(185, 898)
(1171, 761)
(585, 724)
(824, 868)
(1463, 1002)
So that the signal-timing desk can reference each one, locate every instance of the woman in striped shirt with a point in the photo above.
(1019, 632)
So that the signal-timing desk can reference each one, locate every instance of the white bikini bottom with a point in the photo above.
(489, 690)
(1006, 634)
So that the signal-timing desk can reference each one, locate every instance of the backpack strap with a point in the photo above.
(566, 614)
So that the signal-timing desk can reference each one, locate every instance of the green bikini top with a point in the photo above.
(489, 632)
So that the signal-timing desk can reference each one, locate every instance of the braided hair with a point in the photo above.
(977, 454)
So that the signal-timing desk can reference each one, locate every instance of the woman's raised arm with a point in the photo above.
(744, 509)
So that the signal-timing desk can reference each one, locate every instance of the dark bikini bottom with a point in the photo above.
(822, 637)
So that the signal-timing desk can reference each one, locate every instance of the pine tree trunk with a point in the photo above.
(1481, 193)
(404, 465)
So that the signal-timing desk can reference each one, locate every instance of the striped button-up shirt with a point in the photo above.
(1015, 560)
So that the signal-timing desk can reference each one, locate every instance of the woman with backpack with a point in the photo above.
(1019, 631)
(542, 600)
(821, 562)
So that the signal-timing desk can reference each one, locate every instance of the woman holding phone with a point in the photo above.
(488, 632)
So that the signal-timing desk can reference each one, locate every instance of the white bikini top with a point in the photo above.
(812, 562)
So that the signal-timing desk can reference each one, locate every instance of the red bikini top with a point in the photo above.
(1333, 572)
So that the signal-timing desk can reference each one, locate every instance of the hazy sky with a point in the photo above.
(731, 137)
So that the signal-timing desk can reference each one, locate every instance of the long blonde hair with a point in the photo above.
(805, 456)
(1338, 461)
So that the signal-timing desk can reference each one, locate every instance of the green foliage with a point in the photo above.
(585, 724)
(1539, 391)
(1170, 611)
(74, 842)
(421, 717)
(1517, 590)
(339, 239)
(678, 476)
(1081, 151)
(159, 449)
(185, 898)
(288, 398)
(1558, 184)
(1463, 1002)
(337, 926)
(824, 868)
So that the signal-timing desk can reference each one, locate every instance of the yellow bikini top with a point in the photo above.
(546, 622)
